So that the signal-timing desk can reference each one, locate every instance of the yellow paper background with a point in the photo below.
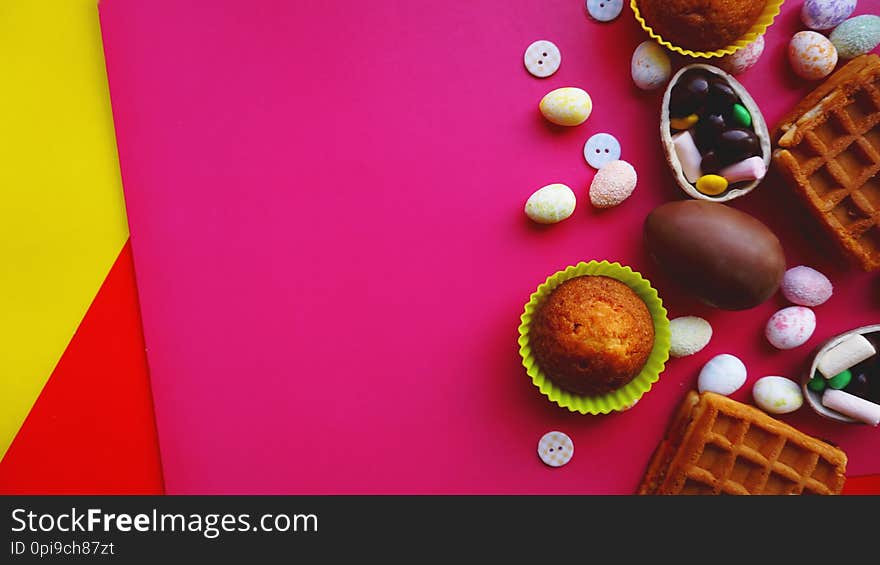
(62, 216)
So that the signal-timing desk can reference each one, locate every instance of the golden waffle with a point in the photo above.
(828, 147)
(716, 445)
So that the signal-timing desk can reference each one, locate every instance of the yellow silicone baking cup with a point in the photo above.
(624, 397)
(765, 20)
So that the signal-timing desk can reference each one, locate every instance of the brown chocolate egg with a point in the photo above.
(725, 257)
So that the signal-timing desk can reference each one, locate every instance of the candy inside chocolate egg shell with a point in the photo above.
(865, 381)
(709, 91)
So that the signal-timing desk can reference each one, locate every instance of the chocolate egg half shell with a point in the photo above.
(725, 257)
(759, 126)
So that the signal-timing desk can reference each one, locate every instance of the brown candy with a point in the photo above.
(725, 257)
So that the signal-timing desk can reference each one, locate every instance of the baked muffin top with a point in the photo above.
(701, 25)
(592, 335)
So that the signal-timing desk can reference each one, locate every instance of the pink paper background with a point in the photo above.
(325, 202)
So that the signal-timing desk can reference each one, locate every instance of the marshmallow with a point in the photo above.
(852, 406)
(688, 155)
(849, 352)
(750, 169)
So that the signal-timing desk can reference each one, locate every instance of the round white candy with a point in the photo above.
(790, 327)
(650, 66)
(550, 204)
(806, 286)
(723, 374)
(744, 59)
(812, 55)
(777, 395)
(600, 149)
(542, 58)
(689, 335)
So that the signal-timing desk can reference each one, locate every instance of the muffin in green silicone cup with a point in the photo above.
(627, 395)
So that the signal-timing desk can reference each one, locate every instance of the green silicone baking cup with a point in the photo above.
(624, 397)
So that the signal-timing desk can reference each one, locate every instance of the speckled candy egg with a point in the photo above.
(777, 395)
(650, 66)
(805, 286)
(723, 374)
(790, 327)
(856, 36)
(743, 59)
(613, 184)
(812, 55)
(826, 14)
(567, 106)
(551, 204)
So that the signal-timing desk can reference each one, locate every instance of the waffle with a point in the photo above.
(716, 445)
(828, 148)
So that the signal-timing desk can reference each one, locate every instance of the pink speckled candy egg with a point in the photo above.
(613, 184)
(790, 327)
(806, 286)
(812, 55)
(744, 59)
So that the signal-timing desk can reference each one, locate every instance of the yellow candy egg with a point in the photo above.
(711, 185)
(568, 106)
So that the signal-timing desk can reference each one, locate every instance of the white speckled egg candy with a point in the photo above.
(650, 66)
(743, 59)
(777, 395)
(812, 55)
(551, 204)
(856, 36)
(790, 327)
(689, 334)
(723, 374)
(805, 286)
(567, 106)
(826, 14)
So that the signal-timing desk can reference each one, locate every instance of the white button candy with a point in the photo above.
(542, 58)
(804, 286)
(567, 106)
(723, 374)
(690, 334)
(600, 149)
(555, 449)
(613, 184)
(604, 10)
(790, 327)
(550, 204)
(650, 66)
(777, 395)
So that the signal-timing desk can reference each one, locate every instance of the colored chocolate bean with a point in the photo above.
(689, 94)
(816, 384)
(711, 185)
(740, 116)
(840, 380)
(683, 123)
(737, 144)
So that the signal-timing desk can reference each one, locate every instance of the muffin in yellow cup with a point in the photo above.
(624, 396)
(725, 27)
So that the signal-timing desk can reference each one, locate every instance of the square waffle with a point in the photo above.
(828, 147)
(716, 445)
